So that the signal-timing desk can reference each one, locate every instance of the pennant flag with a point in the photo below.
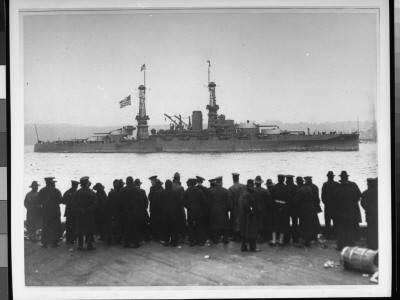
(125, 102)
(143, 67)
(209, 63)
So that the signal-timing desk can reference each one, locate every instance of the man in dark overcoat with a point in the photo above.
(327, 196)
(144, 215)
(50, 199)
(170, 206)
(33, 213)
(213, 183)
(101, 210)
(200, 186)
(219, 212)
(317, 203)
(280, 216)
(114, 222)
(369, 202)
(182, 224)
(85, 204)
(155, 211)
(348, 214)
(152, 208)
(195, 203)
(131, 208)
(70, 213)
(248, 224)
(293, 210)
(261, 197)
(306, 211)
(236, 193)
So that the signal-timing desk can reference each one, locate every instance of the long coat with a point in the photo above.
(67, 200)
(261, 198)
(347, 196)
(280, 214)
(145, 205)
(182, 214)
(248, 227)
(101, 215)
(195, 203)
(306, 210)
(327, 196)
(85, 204)
(50, 198)
(291, 193)
(236, 194)
(131, 204)
(220, 205)
(33, 215)
(170, 205)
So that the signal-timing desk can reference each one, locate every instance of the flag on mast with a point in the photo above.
(125, 102)
(143, 67)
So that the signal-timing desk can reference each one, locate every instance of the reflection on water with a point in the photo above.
(106, 167)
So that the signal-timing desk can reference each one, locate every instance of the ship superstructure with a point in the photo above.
(221, 135)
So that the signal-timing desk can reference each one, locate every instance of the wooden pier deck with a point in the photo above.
(212, 265)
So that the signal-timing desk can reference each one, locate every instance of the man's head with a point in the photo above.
(74, 184)
(235, 177)
(137, 182)
(258, 180)
(344, 177)
(289, 179)
(153, 179)
(212, 182)
(34, 186)
(168, 184)
(218, 180)
(98, 187)
(269, 183)
(330, 175)
(115, 183)
(191, 182)
(50, 181)
(250, 184)
(299, 180)
(129, 180)
(84, 181)
(177, 177)
(199, 180)
(281, 178)
(308, 179)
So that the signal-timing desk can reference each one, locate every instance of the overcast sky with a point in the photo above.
(292, 67)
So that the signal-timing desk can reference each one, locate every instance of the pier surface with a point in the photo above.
(212, 265)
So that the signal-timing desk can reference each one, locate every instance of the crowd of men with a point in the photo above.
(282, 213)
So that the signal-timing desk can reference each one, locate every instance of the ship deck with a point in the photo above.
(209, 265)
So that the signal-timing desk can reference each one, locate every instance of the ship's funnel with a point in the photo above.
(197, 120)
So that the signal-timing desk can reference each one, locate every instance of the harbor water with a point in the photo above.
(105, 167)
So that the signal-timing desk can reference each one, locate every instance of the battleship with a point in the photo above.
(221, 135)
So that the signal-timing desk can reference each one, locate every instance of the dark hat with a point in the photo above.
(330, 173)
(129, 179)
(138, 182)
(50, 179)
(258, 179)
(74, 182)
(269, 182)
(34, 184)
(250, 182)
(158, 181)
(299, 179)
(191, 181)
(289, 176)
(281, 176)
(235, 174)
(370, 180)
(218, 179)
(307, 178)
(344, 174)
(153, 177)
(177, 175)
(84, 178)
(98, 186)
(212, 180)
(199, 179)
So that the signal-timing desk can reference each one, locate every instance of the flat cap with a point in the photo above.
(235, 174)
(74, 182)
(84, 178)
(307, 177)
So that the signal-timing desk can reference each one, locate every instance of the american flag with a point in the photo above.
(125, 102)
(143, 67)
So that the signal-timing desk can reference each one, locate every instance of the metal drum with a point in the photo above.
(360, 259)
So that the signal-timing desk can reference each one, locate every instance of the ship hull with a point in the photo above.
(271, 143)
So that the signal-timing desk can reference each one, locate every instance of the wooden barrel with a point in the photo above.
(360, 259)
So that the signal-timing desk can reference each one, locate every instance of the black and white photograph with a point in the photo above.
(170, 149)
